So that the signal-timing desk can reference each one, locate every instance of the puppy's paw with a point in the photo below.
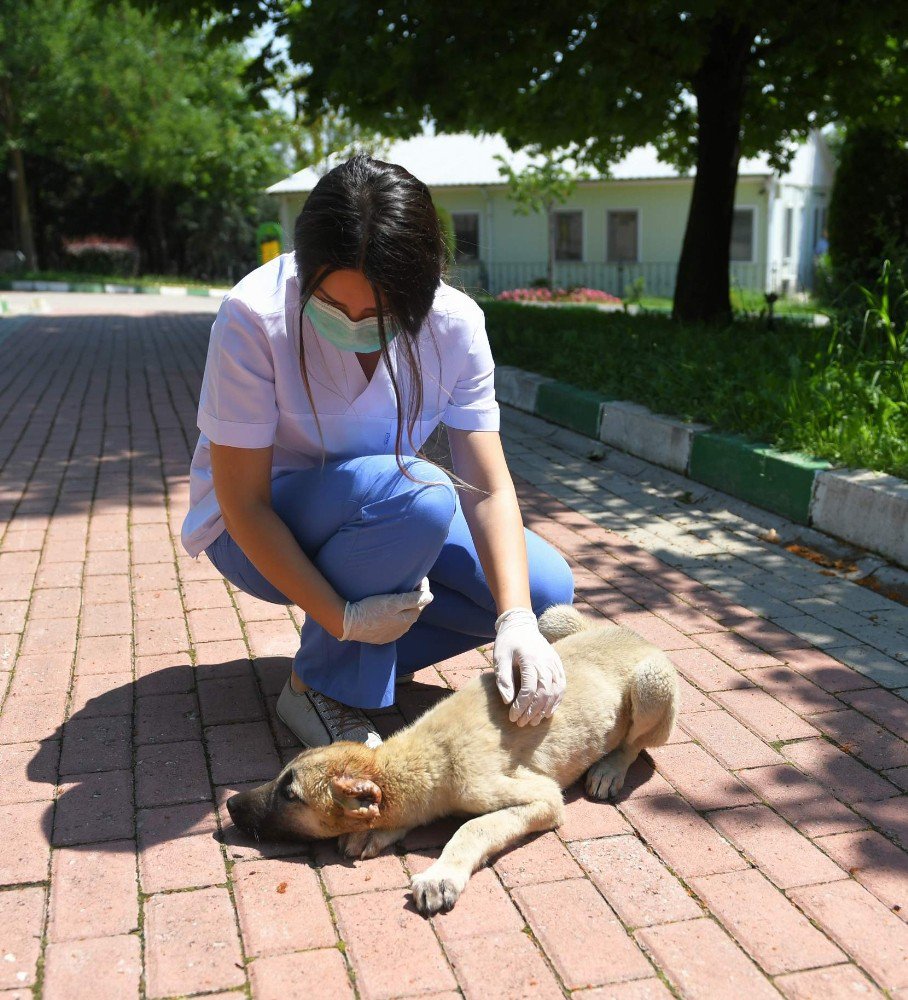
(368, 843)
(351, 845)
(605, 778)
(436, 889)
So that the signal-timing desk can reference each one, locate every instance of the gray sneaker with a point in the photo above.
(317, 720)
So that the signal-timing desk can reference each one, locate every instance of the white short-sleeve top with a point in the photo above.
(253, 394)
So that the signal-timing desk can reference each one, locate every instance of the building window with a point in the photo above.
(742, 235)
(789, 232)
(622, 237)
(569, 236)
(466, 236)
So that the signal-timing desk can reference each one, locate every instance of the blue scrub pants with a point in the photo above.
(370, 530)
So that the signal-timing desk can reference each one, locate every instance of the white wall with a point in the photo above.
(513, 246)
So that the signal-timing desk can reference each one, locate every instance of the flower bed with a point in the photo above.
(558, 295)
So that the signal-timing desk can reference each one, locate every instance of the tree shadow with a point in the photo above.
(158, 756)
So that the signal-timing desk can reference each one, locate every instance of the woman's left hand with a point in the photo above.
(519, 644)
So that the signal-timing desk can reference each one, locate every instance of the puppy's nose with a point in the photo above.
(237, 812)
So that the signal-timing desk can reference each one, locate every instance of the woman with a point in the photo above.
(327, 369)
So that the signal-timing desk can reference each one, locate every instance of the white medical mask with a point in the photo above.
(336, 326)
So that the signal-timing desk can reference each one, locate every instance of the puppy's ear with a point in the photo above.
(357, 796)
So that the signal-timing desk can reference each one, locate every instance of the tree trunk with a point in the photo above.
(550, 242)
(26, 236)
(17, 167)
(701, 290)
(160, 266)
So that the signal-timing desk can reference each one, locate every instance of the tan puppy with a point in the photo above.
(464, 756)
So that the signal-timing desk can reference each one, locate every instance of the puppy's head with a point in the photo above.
(323, 792)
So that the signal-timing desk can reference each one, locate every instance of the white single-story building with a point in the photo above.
(613, 229)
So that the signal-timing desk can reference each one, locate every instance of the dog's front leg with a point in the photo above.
(439, 887)
(369, 843)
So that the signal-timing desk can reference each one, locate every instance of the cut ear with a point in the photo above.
(356, 796)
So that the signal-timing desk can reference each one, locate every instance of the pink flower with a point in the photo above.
(558, 295)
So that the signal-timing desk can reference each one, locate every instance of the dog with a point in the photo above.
(465, 757)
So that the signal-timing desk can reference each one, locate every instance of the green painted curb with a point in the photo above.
(197, 291)
(86, 286)
(778, 481)
(579, 409)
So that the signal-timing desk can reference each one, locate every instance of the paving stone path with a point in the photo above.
(760, 853)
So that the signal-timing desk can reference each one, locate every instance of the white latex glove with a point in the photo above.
(519, 644)
(385, 617)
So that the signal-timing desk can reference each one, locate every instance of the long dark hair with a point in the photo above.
(377, 218)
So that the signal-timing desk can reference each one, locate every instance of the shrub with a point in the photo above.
(839, 392)
(101, 255)
(868, 217)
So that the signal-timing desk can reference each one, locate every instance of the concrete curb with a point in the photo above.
(870, 506)
(114, 288)
(520, 387)
(579, 409)
(864, 508)
(778, 481)
(659, 439)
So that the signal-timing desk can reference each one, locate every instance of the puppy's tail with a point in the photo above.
(560, 620)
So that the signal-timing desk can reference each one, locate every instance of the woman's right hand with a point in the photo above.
(385, 617)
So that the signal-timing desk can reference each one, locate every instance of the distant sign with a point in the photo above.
(269, 250)
(270, 238)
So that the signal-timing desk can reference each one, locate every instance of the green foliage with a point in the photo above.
(132, 103)
(595, 81)
(868, 217)
(539, 186)
(634, 290)
(604, 79)
(851, 398)
(824, 391)
(100, 278)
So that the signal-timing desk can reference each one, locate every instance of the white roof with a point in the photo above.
(461, 158)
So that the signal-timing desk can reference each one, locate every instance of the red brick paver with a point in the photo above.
(760, 853)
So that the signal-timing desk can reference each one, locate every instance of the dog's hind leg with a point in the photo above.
(438, 887)
(654, 705)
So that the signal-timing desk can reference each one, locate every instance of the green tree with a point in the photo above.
(868, 215)
(539, 187)
(26, 30)
(708, 82)
(329, 137)
(148, 105)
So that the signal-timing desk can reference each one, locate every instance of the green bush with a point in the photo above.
(832, 392)
(94, 254)
(868, 218)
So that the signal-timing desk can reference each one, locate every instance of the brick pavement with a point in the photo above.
(760, 853)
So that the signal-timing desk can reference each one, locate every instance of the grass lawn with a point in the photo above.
(797, 387)
(745, 301)
(78, 277)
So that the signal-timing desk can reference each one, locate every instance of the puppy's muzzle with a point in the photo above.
(249, 811)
